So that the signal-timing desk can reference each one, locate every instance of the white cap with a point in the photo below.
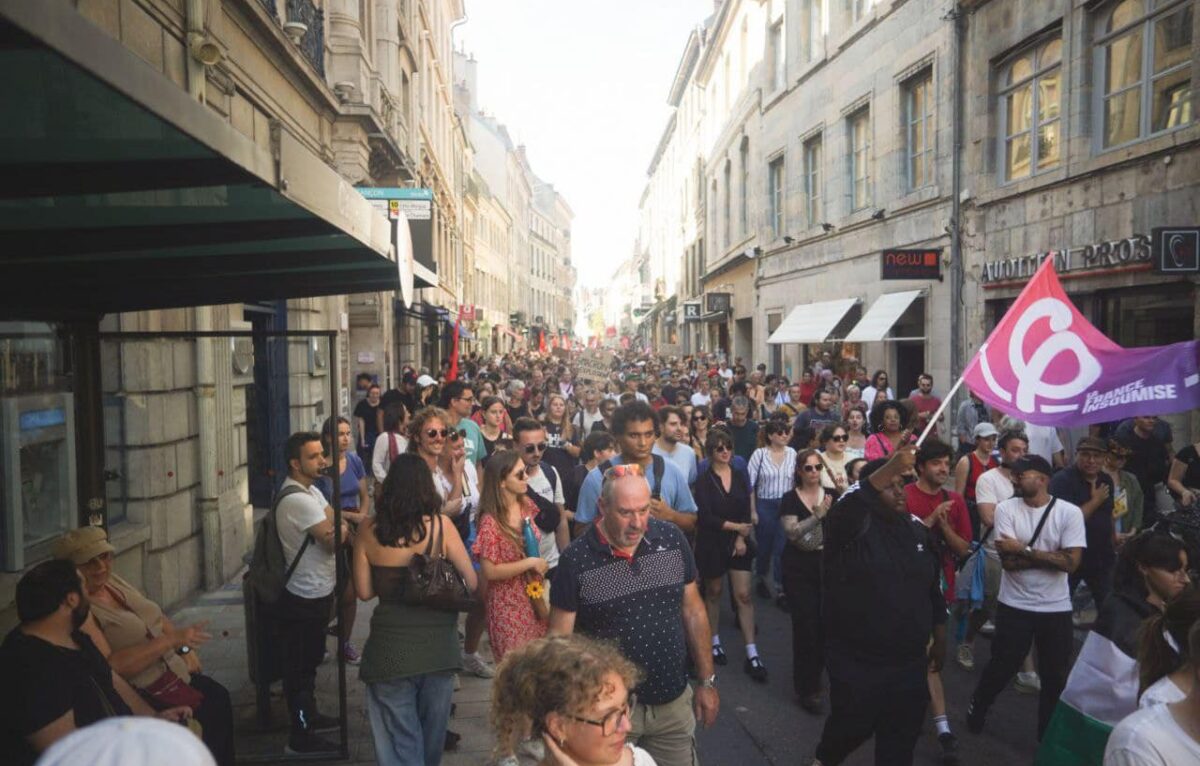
(129, 741)
(425, 381)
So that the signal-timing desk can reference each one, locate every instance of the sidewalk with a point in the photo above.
(224, 659)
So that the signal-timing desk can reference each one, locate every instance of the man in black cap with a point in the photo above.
(1088, 486)
(1040, 539)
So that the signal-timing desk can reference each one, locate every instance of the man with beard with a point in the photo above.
(884, 616)
(1040, 539)
(670, 442)
(54, 678)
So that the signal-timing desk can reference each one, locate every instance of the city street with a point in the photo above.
(764, 725)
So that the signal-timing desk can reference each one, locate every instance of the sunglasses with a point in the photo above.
(722, 448)
(699, 417)
(455, 435)
(436, 433)
(623, 470)
(519, 475)
(532, 448)
(810, 468)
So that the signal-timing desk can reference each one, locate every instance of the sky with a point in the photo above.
(584, 86)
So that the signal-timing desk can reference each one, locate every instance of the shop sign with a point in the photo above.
(466, 312)
(691, 311)
(1176, 250)
(1116, 253)
(911, 264)
(718, 302)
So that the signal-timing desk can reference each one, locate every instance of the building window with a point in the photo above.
(859, 126)
(814, 29)
(744, 201)
(812, 180)
(728, 217)
(775, 185)
(1029, 110)
(779, 57)
(1144, 56)
(918, 131)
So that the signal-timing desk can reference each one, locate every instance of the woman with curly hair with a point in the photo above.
(570, 696)
(887, 429)
(500, 548)
(412, 653)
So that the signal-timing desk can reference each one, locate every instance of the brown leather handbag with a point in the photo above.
(433, 581)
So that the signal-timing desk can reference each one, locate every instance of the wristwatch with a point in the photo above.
(709, 683)
(184, 650)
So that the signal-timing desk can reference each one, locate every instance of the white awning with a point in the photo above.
(878, 321)
(812, 322)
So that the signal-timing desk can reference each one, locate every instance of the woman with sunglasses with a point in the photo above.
(833, 454)
(500, 548)
(566, 701)
(856, 425)
(723, 527)
(800, 513)
(698, 425)
(772, 471)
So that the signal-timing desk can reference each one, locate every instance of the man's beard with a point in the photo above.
(1026, 493)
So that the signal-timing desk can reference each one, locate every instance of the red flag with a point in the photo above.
(542, 341)
(453, 373)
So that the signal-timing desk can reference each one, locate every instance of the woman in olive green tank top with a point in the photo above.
(412, 652)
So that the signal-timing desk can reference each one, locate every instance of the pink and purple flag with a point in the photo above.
(1046, 364)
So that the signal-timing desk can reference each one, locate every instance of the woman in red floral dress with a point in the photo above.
(500, 548)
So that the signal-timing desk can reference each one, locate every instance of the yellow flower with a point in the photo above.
(535, 589)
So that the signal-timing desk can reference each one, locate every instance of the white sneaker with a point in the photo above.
(477, 666)
(988, 628)
(1028, 683)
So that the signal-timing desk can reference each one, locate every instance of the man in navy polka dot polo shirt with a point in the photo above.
(631, 579)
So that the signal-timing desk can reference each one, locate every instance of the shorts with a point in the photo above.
(714, 559)
(991, 584)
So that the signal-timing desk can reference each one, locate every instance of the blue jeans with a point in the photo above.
(409, 718)
(769, 537)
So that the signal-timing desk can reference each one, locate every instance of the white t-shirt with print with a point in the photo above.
(1039, 590)
(993, 487)
(548, 546)
(1151, 737)
(316, 573)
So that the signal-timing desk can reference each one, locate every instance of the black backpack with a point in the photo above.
(269, 572)
(548, 516)
(659, 467)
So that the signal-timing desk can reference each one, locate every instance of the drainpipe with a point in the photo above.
(201, 54)
(957, 17)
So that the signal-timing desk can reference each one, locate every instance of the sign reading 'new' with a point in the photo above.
(911, 264)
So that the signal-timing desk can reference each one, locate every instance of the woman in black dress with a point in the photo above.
(800, 514)
(723, 544)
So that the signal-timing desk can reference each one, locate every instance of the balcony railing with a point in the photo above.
(312, 42)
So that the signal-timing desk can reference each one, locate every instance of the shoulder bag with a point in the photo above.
(433, 581)
(813, 539)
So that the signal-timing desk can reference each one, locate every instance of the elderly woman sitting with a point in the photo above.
(143, 646)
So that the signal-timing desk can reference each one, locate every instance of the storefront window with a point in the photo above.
(37, 443)
(1153, 316)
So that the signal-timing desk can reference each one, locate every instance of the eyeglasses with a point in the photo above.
(467, 399)
(436, 433)
(841, 438)
(810, 468)
(623, 470)
(699, 417)
(609, 723)
(532, 448)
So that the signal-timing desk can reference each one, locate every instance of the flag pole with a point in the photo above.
(941, 408)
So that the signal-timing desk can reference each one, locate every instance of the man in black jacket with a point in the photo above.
(885, 617)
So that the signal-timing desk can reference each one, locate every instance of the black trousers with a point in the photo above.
(802, 584)
(1098, 579)
(215, 716)
(302, 624)
(888, 704)
(1016, 631)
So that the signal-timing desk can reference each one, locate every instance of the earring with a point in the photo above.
(562, 742)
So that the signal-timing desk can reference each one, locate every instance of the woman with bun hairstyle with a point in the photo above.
(1166, 669)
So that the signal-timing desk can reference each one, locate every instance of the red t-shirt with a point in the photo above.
(927, 404)
(921, 504)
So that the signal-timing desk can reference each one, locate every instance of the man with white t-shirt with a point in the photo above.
(1040, 541)
(670, 442)
(1044, 442)
(545, 488)
(1161, 735)
(305, 523)
(702, 397)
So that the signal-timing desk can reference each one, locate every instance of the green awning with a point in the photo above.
(120, 192)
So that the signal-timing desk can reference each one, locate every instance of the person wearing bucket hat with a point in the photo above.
(1085, 484)
(143, 646)
(1128, 502)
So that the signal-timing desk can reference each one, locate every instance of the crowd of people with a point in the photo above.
(593, 528)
